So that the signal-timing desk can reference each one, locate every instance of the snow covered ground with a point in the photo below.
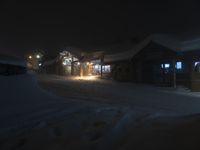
(24, 104)
(98, 114)
(136, 96)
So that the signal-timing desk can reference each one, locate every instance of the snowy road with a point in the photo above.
(138, 97)
(103, 111)
(24, 105)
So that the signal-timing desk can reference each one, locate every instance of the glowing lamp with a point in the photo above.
(37, 56)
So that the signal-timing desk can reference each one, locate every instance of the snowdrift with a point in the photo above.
(11, 65)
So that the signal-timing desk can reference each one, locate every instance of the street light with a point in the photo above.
(38, 56)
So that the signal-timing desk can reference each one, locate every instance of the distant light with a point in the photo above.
(37, 56)
(30, 57)
(40, 64)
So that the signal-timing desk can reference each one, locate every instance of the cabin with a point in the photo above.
(78, 64)
(158, 60)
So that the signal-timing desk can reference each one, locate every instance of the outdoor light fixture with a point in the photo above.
(30, 57)
(37, 56)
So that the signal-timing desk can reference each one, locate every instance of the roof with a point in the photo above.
(170, 42)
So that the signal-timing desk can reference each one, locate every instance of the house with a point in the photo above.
(74, 63)
(160, 60)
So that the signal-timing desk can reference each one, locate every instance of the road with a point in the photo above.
(138, 97)
(25, 105)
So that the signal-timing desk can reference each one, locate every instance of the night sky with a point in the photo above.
(29, 25)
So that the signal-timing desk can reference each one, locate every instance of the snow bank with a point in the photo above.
(12, 60)
(20, 88)
(23, 103)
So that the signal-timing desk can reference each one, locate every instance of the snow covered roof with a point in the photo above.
(12, 60)
(168, 41)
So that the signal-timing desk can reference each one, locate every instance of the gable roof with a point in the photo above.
(163, 40)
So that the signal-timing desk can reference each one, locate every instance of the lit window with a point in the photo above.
(167, 65)
(178, 65)
(106, 69)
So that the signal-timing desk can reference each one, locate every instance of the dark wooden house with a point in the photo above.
(158, 60)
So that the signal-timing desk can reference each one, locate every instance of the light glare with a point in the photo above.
(37, 56)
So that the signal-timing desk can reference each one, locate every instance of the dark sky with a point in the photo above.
(28, 25)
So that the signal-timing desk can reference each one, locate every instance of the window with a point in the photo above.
(179, 65)
(107, 69)
(167, 65)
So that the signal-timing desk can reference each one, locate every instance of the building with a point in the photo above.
(77, 64)
(159, 60)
